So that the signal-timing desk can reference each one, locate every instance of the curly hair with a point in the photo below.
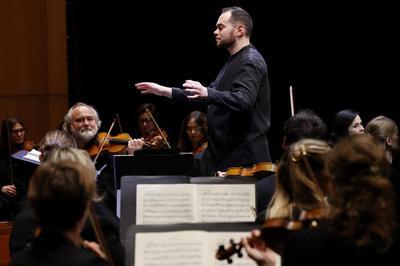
(364, 205)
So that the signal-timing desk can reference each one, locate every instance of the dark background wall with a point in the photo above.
(335, 55)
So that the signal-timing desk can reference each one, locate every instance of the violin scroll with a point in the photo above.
(274, 233)
(226, 254)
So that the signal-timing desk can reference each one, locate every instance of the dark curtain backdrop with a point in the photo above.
(335, 55)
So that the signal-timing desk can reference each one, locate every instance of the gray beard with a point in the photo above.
(85, 135)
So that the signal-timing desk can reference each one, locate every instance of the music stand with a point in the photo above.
(151, 163)
(130, 243)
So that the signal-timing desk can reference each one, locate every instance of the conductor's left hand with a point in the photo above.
(195, 89)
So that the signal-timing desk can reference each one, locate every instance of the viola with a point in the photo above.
(256, 169)
(274, 232)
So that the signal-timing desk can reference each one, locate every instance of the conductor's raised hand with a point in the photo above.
(154, 88)
(195, 89)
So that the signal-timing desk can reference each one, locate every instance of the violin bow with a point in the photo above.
(158, 128)
(9, 150)
(119, 122)
(99, 235)
(291, 99)
(104, 141)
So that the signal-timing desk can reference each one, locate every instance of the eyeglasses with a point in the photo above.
(196, 129)
(145, 120)
(18, 130)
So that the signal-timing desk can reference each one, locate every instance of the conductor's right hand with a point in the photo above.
(154, 88)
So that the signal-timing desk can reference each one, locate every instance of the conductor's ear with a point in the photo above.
(240, 30)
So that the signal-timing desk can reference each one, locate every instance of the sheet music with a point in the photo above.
(165, 204)
(190, 203)
(226, 203)
(185, 248)
(32, 156)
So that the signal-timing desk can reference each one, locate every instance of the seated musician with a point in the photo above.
(301, 187)
(193, 134)
(354, 234)
(82, 122)
(58, 146)
(14, 174)
(304, 124)
(61, 194)
(155, 137)
(300, 181)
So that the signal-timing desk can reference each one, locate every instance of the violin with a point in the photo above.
(255, 170)
(274, 232)
(155, 139)
(30, 145)
(112, 144)
(201, 148)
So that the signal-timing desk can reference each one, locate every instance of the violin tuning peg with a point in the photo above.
(240, 254)
(230, 261)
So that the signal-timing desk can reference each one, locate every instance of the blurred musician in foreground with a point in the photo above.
(353, 233)
(61, 194)
(58, 146)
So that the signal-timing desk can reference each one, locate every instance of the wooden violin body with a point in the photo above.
(155, 139)
(256, 169)
(30, 145)
(112, 144)
(201, 148)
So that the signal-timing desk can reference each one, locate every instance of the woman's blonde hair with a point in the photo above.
(300, 180)
(76, 156)
(60, 193)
